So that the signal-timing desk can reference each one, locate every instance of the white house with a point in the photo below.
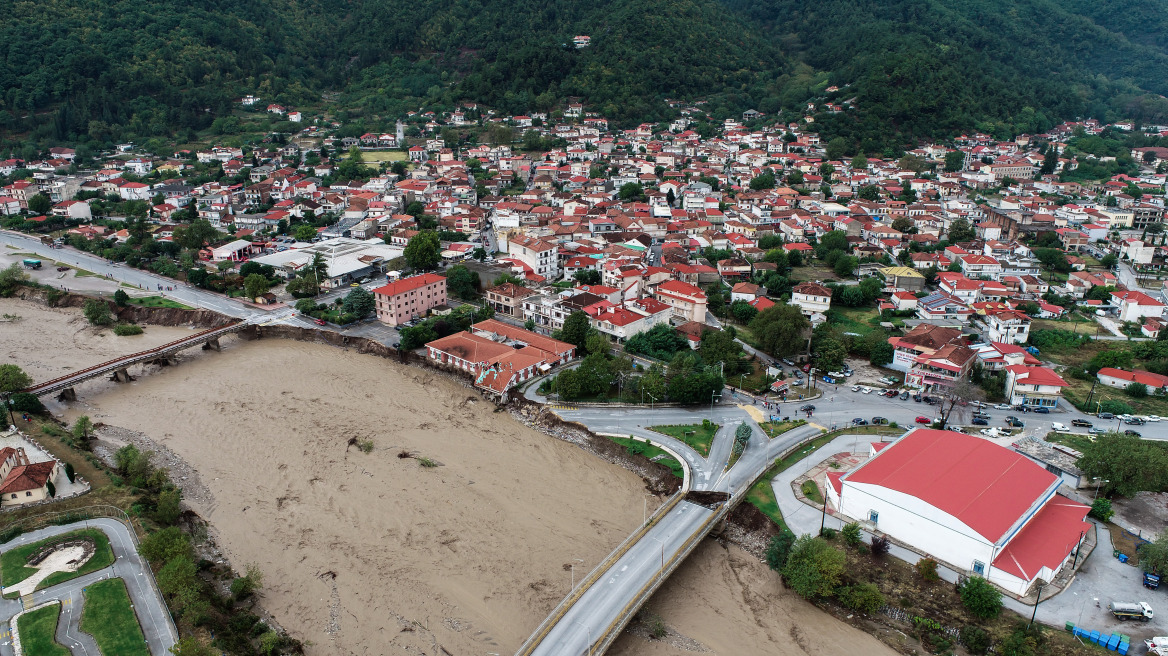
(627, 319)
(811, 298)
(534, 255)
(1033, 386)
(1120, 378)
(1136, 306)
(966, 502)
(1007, 326)
(73, 209)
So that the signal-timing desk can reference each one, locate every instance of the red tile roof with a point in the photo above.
(982, 485)
(408, 284)
(27, 477)
(1045, 541)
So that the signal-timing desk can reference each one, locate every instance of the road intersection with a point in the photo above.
(128, 565)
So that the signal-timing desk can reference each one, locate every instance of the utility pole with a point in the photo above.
(1041, 583)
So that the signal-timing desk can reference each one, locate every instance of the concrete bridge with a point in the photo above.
(119, 369)
(590, 619)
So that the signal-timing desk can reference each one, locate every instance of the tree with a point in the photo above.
(82, 428)
(836, 240)
(881, 354)
(462, 282)
(190, 646)
(39, 204)
(1127, 463)
(423, 251)
(196, 235)
(244, 586)
(869, 192)
(980, 598)
(255, 285)
(813, 567)
(163, 546)
(11, 277)
(576, 329)
(1154, 554)
(779, 548)
(70, 473)
(169, 506)
(781, 330)
(829, 353)
(25, 402)
(1136, 390)
(13, 379)
(1101, 509)
(97, 312)
(743, 311)
(864, 597)
(631, 191)
(121, 298)
(416, 336)
(763, 181)
(304, 232)
(960, 231)
(913, 163)
(660, 342)
(1108, 260)
(846, 266)
(587, 277)
(1049, 162)
(954, 161)
(836, 149)
(596, 343)
(359, 303)
(903, 224)
(51, 489)
(719, 346)
(957, 399)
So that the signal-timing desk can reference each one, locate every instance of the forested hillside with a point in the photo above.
(112, 69)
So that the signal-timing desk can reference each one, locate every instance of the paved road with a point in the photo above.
(128, 565)
(603, 603)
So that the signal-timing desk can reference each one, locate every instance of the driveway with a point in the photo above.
(129, 566)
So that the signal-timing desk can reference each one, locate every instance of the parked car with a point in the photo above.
(1082, 423)
(1105, 415)
(1058, 427)
(62, 268)
(320, 322)
(904, 396)
(1042, 410)
(1134, 421)
(855, 388)
(980, 421)
(1014, 421)
(1132, 433)
(924, 420)
(1152, 418)
(867, 390)
(889, 393)
(806, 368)
(879, 421)
(807, 408)
(917, 398)
(1002, 406)
(1096, 431)
(859, 421)
(788, 362)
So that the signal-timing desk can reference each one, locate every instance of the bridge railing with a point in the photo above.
(97, 369)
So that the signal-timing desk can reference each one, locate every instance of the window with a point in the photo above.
(873, 516)
(28, 494)
(979, 568)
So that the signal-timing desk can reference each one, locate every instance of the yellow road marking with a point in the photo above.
(754, 413)
(811, 423)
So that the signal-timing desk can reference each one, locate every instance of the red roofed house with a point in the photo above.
(499, 355)
(964, 501)
(24, 482)
(411, 297)
(687, 301)
(1134, 306)
(1119, 378)
(1033, 386)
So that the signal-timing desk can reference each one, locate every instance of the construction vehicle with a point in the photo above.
(1124, 611)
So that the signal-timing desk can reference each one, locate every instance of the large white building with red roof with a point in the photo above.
(966, 502)
(1033, 386)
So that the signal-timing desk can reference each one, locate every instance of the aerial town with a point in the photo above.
(922, 390)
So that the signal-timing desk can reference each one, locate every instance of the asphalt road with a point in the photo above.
(156, 622)
(603, 603)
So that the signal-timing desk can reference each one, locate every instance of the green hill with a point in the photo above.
(107, 70)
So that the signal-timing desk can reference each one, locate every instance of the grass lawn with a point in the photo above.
(1149, 405)
(811, 491)
(776, 428)
(108, 617)
(13, 562)
(855, 320)
(158, 301)
(814, 271)
(649, 451)
(381, 156)
(37, 630)
(697, 436)
(1076, 442)
(762, 496)
(82, 273)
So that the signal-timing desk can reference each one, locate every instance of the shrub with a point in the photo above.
(97, 312)
(1115, 407)
(779, 549)
(880, 545)
(828, 533)
(366, 446)
(427, 462)
(852, 535)
(121, 298)
(127, 329)
(927, 569)
(975, 639)
(813, 567)
(52, 489)
(69, 472)
(864, 597)
(980, 598)
(1101, 509)
(246, 585)
(1136, 390)
(25, 402)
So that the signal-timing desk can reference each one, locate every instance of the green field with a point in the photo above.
(382, 156)
(37, 630)
(697, 436)
(159, 302)
(12, 562)
(110, 619)
(775, 428)
(855, 320)
(1076, 442)
(649, 451)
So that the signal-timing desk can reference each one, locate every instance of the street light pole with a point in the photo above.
(1041, 583)
(662, 552)
(589, 630)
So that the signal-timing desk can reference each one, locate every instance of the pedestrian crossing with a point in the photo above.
(556, 406)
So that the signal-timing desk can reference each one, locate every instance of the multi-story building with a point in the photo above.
(1136, 306)
(925, 339)
(1033, 386)
(687, 301)
(534, 256)
(942, 369)
(1007, 326)
(811, 298)
(400, 301)
(507, 299)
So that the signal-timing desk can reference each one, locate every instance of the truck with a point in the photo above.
(1125, 611)
(31, 263)
(1157, 646)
